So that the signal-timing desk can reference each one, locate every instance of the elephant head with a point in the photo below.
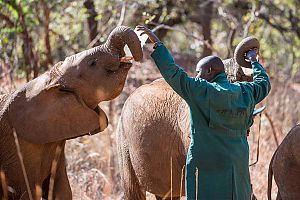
(63, 102)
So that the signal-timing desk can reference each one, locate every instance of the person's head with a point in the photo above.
(208, 67)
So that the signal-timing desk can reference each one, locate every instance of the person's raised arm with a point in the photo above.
(174, 75)
(261, 85)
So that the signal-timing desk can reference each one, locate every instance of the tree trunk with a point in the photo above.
(27, 47)
(202, 14)
(205, 18)
(46, 22)
(92, 22)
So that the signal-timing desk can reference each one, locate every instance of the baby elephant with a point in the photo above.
(58, 105)
(285, 165)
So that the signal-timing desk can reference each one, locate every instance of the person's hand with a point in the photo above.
(152, 37)
(252, 55)
(126, 59)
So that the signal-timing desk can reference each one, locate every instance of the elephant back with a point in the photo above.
(149, 126)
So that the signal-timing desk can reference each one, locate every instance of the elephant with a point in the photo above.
(285, 165)
(58, 105)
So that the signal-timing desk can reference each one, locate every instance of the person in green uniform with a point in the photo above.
(217, 164)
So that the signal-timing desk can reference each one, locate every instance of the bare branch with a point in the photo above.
(273, 128)
(290, 17)
(203, 42)
(230, 39)
(250, 21)
(123, 13)
(266, 18)
(91, 19)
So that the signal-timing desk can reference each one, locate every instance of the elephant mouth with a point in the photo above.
(126, 62)
(126, 65)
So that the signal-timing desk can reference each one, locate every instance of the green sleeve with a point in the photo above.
(175, 76)
(261, 85)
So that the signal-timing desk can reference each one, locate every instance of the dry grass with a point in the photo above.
(22, 164)
(283, 108)
(4, 185)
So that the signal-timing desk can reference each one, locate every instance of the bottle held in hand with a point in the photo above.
(252, 55)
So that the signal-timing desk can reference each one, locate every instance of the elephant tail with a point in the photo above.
(270, 177)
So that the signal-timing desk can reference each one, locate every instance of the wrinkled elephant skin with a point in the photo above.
(285, 165)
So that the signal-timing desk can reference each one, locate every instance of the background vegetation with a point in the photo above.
(35, 34)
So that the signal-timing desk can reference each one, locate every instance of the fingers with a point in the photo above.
(143, 31)
(142, 28)
(126, 59)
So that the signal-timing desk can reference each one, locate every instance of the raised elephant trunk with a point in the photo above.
(121, 36)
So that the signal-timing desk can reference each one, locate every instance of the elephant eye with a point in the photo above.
(93, 62)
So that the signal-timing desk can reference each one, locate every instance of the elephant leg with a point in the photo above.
(129, 181)
(131, 184)
(62, 189)
(168, 198)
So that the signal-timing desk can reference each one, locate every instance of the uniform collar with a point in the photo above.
(220, 78)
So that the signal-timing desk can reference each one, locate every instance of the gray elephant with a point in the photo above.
(285, 165)
(58, 105)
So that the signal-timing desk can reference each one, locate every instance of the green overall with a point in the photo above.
(221, 113)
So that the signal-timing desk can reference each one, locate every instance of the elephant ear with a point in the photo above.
(48, 114)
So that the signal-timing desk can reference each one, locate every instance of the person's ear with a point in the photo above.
(209, 70)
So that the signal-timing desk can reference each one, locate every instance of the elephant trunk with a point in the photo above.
(121, 36)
